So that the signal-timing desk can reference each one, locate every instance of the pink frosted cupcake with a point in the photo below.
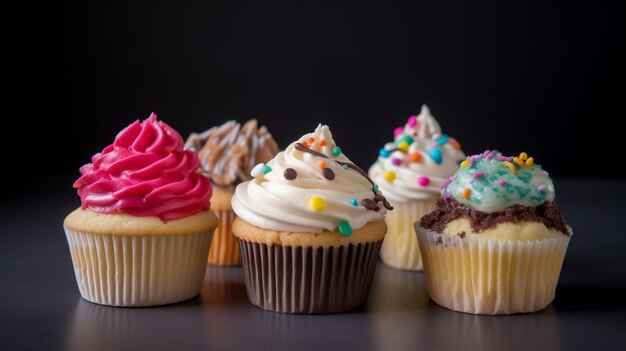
(142, 233)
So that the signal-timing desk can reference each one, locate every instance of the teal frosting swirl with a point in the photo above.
(491, 182)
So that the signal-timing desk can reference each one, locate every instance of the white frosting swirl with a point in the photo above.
(271, 201)
(417, 172)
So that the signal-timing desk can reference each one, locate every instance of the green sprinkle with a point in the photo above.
(345, 228)
(336, 151)
(406, 138)
(375, 188)
(266, 169)
(345, 167)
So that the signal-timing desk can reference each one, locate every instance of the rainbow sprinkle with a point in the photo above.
(478, 174)
(345, 228)
(354, 202)
(542, 187)
(336, 151)
(317, 204)
(423, 181)
(389, 176)
(266, 169)
(510, 166)
(466, 193)
(501, 182)
(435, 155)
(384, 153)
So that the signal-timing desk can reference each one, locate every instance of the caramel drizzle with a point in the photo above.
(301, 147)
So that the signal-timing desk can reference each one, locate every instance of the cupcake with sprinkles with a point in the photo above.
(310, 225)
(496, 242)
(410, 171)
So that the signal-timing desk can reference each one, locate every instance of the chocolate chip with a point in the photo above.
(369, 204)
(328, 174)
(290, 174)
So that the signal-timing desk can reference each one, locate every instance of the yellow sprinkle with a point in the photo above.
(390, 176)
(523, 156)
(530, 162)
(403, 146)
(464, 164)
(518, 161)
(466, 193)
(511, 166)
(317, 204)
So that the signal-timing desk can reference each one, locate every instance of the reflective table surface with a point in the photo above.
(41, 309)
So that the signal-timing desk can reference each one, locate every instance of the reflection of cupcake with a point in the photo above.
(227, 154)
(310, 228)
(142, 233)
(410, 172)
(496, 241)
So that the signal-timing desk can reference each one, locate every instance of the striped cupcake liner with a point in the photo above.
(224, 249)
(119, 270)
(480, 276)
(401, 249)
(308, 280)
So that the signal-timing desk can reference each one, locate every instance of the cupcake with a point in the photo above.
(496, 241)
(227, 155)
(142, 233)
(310, 226)
(410, 171)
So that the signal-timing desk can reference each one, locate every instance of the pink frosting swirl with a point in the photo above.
(145, 172)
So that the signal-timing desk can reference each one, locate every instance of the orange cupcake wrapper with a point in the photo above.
(224, 250)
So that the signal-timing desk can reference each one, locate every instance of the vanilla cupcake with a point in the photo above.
(310, 227)
(496, 241)
(142, 233)
(410, 171)
(227, 155)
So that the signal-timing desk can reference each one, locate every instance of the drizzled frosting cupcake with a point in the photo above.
(142, 233)
(496, 241)
(410, 171)
(310, 225)
(227, 155)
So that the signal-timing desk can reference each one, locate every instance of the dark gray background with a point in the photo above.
(537, 76)
(41, 309)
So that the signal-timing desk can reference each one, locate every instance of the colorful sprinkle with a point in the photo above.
(321, 143)
(257, 171)
(501, 182)
(446, 182)
(266, 169)
(518, 161)
(384, 153)
(375, 188)
(305, 143)
(443, 139)
(396, 161)
(389, 176)
(466, 193)
(346, 167)
(510, 166)
(464, 164)
(435, 155)
(447, 196)
(542, 187)
(317, 204)
(545, 173)
(398, 131)
(403, 146)
(478, 174)
(503, 158)
(470, 160)
(406, 138)
(345, 228)
(490, 156)
(455, 144)
(530, 162)
(328, 173)
(311, 140)
(523, 156)
(336, 151)
(290, 174)
(412, 121)
(354, 202)
(415, 157)
(321, 164)
(423, 181)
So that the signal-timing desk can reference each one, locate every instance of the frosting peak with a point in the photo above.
(229, 152)
(145, 172)
(491, 182)
(415, 165)
(310, 187)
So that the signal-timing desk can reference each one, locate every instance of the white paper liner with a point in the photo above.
(480, 276)
(308, 280)
(119, 270)
(401, 248)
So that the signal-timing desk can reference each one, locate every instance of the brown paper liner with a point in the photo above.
(308, 280)
(224, 249)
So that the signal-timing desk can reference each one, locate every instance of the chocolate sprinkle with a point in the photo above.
(447, 211)
(290, 174)
(328, 174)
(369, 204)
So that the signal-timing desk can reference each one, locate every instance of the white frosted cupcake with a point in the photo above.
(410, 171)
(496, 241)
(310, 225)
